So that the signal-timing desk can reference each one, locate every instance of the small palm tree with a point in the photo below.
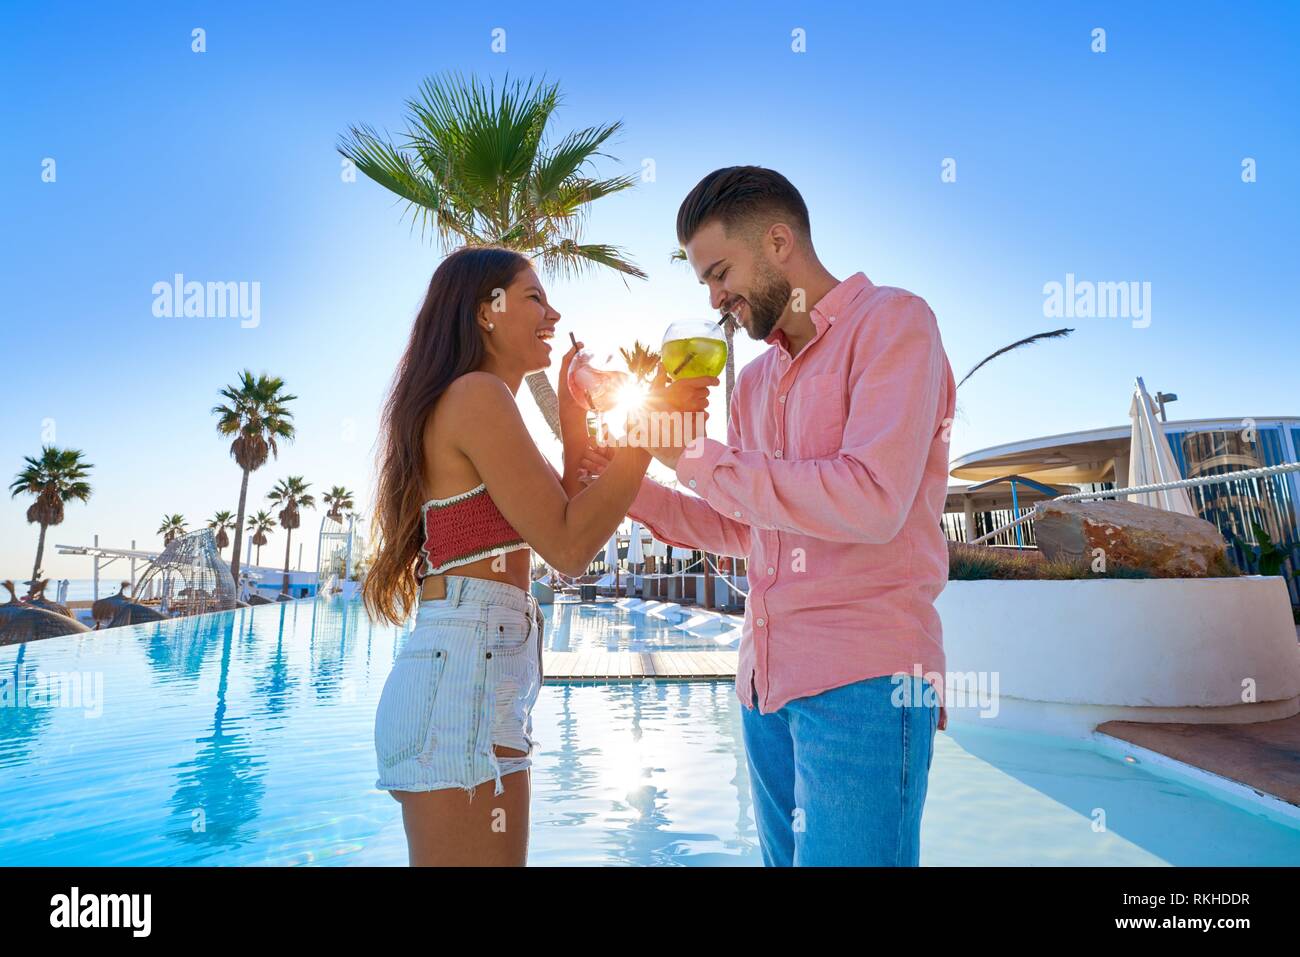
(475, 163)
(339, 501)
(258, 416)
(219, 523)
(56, 477)
(259, 523)
(172, 527)
(291, 495)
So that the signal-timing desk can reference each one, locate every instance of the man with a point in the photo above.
(832, 484)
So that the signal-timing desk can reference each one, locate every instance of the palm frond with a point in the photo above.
(475, 165)
(571, 259)
(1027, 341)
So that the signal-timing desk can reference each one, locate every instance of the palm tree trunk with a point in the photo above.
(288, 537)
(258, 560)
(239, 528)
(546, 400)
(40, 552)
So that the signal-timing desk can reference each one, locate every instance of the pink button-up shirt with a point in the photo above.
(832, 484)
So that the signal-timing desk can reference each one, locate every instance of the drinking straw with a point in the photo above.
(591, 404)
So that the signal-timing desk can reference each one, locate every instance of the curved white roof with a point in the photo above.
(1087, 456)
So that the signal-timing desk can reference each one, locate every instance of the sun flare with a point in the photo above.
(630, 398)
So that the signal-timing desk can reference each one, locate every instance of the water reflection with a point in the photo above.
(21, 721)
(219, 791)
(247, 738)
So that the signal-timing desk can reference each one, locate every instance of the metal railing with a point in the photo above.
(1265, 472)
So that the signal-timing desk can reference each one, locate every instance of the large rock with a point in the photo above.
(1166, 544)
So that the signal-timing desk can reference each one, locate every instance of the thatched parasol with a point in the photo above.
(36, 597)
(24, 622)
(131, 613)
(104, 609)
(259, 600)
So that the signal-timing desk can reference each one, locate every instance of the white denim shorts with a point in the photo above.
(464, 682)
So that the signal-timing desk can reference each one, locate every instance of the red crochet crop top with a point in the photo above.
(463, 529)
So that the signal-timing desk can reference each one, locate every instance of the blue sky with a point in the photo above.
(1115, 166)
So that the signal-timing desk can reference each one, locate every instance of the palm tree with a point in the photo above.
(339, 500)
(476, 164)
(56, 477)
(172, 527)
(291, 495)
(259, 523)
(219, 523)
(257, 415)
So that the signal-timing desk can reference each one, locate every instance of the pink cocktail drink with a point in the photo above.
(594, 385)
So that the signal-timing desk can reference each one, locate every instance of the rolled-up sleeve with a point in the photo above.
(897, 386)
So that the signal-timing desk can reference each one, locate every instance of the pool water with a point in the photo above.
(574, 626)
(246, 738)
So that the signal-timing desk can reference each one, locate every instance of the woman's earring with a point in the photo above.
(491, 326)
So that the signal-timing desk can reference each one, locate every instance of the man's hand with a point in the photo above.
(683, 395)
(675, 415)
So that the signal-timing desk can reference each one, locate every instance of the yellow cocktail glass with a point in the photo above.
(694, 348)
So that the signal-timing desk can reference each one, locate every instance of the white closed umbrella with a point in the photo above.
(611, 552)
(658, 549)
(1151, 461)
(635, 553)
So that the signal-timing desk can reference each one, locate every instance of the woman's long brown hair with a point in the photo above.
(445, 344)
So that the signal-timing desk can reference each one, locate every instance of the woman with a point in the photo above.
(463, 488)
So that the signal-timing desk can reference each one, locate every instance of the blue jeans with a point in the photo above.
(839, 778)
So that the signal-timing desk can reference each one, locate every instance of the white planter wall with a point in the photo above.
(1068, 655)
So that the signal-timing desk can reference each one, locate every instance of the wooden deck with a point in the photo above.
(1264, 755)
(565, 667)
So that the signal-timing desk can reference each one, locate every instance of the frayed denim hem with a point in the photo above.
(504, 766)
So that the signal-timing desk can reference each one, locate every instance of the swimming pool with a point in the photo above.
(246, 738)
(587, 626)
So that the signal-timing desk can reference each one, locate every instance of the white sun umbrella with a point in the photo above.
(611, 551)
(635, 553)
(1151, 460)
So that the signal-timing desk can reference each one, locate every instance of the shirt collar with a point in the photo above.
(828, 308)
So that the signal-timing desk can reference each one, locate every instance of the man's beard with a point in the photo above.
(767, 302)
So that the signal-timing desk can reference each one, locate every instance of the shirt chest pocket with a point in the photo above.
(814, 417)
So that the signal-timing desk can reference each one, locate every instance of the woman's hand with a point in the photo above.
(573, 417)
(596, 457)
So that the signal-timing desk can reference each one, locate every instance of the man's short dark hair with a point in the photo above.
(738, 194)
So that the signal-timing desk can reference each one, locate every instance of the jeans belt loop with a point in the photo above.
(454, 584)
